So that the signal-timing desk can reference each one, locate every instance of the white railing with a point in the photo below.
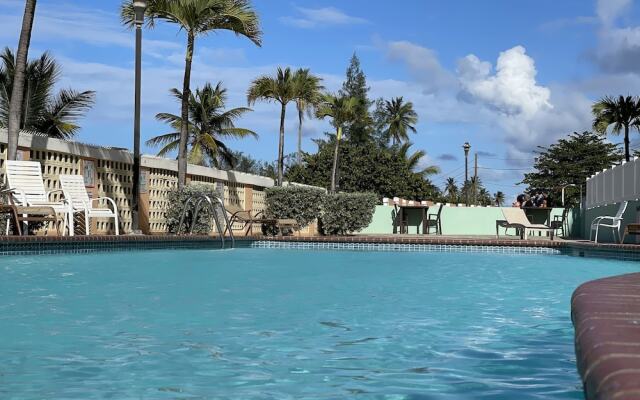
(619, 183)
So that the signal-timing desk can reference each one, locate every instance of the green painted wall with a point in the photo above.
(458, 220)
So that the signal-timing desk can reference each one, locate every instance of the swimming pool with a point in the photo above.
(291, 324)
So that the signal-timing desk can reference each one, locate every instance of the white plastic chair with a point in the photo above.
(614, 224)
(24, 179)
(76, 194)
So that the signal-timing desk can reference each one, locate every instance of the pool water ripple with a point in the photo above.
(279, 324)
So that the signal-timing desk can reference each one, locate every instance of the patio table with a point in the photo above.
(399, 219)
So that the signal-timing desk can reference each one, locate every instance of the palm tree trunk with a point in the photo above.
(300, 136)
(627, 155)
(334, 170)
(17, 92)
(281, 147)
(184, 128)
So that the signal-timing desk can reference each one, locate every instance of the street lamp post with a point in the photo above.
(466, 148)
(139, 7)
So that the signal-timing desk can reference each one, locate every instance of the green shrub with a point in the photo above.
(345, 213)
(176, 200)
(298, 202)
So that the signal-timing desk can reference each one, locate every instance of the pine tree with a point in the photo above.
(360, 129)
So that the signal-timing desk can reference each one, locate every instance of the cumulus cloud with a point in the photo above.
(512, 90)
(318, 17)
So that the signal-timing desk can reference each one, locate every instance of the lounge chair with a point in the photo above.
(614, 223)
(76, 195)
(246, 217)
(516, 218)
(28, 194)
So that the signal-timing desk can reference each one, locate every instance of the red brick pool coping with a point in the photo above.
(606, 317)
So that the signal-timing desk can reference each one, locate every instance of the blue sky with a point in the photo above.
(504, 75)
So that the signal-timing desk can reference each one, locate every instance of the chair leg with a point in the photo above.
(116, 225)
(70, 221)
(87, 225)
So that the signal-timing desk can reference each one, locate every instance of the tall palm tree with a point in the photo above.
(196, 18)
(414, 159)
(452, 190)
(281, 89)
(208, 123)
(309, 93)
(340, 109)
(499, 198)
(17, 96)
(42, 111)
(399, 118)
(622, 113)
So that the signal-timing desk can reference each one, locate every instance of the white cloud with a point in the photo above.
(90, 26)
(423, 63)
(609, 10)
(318, 17)
(512, 90)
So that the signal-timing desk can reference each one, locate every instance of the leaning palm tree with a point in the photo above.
(499, 198)
(452, 190)
(308, 96)
(414, 160)
(196, 18)
(399, 118)
(280, 89)
(340, 109)
(42, 111)
(622, 113)
(17, 97)
(209, 123)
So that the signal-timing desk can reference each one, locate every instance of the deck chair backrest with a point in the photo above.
(74, 190)
(440, 209)
(26, 176)
(515, 215)
(622, 209)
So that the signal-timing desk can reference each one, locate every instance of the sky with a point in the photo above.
(505, 76)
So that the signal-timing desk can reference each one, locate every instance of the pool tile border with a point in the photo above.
(402, 247)
(33, 245)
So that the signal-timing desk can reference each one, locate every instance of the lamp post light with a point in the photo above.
(139, 7)
(466, 148)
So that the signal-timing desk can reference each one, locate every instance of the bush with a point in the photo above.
(298, 202)
(345, 213)
(176, 200)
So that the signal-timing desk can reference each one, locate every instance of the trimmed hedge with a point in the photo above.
(176, 200)
(297, 202)
(345, 213)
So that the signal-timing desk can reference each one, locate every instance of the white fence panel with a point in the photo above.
(619, 183)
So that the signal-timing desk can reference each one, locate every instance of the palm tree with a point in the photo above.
(196, 18)
(399, 118)
(452, 190)
(413, 160)
(622, 113)
(499, 198)
(340, 109)
(208, 123)
(42, 111)
(17, 96)
(309, 93)
(280, 89)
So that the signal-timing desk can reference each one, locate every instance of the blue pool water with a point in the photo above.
(290, 324)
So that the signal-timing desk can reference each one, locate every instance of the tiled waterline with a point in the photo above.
(441, 248)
